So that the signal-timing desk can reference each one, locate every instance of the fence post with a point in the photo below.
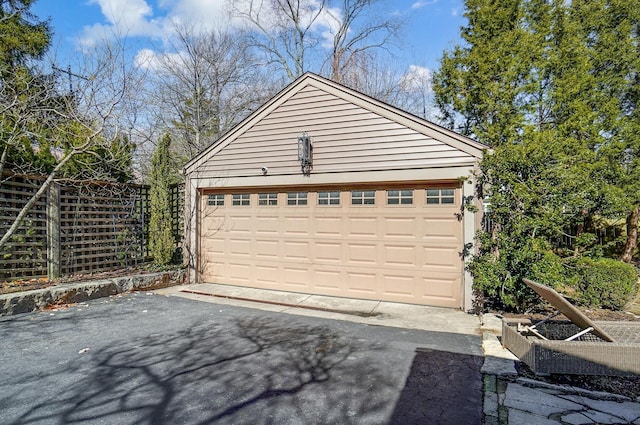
(53, 231)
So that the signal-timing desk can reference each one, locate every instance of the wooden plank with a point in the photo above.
(53, 231)
(69, 222)
(13, 183)
(35, 209)
(100, 248)
(30, 261)
(96, 241)
(79, 199)
(118, 226)
(18, 253)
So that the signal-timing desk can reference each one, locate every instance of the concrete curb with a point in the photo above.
(28, 301)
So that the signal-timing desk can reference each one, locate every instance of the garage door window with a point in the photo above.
(297, 198)
(363, 197)
(399, 197)
(267, 199)
(440, 196)
(217, 200)
(240, 199)
(328, 198)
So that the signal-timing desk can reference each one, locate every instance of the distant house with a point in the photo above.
(324, 190)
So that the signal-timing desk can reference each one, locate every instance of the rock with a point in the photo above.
(24, 302)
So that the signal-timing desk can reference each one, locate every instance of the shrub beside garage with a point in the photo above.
(594, 282)
(605, 282)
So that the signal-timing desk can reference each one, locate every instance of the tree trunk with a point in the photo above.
(632, 235)
(49, 180)
(495, 230)
(580, 231)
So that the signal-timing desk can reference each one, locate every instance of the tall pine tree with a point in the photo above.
(549, 85)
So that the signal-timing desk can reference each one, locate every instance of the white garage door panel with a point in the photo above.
(266, 274)
(404, 253)
(362, 227)
(266, 225)
(328, 252)
(296, 226)
(399, 255)
(240, 272)
(239, 226)
(400, 227)
(399, 286)
(361, 284)
(330, 226)
(327, 280)
(441, 259)
(441, 228)
(266, 249)
(442, 287)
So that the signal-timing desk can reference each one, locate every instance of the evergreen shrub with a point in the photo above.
(605, 282)
(505, 290)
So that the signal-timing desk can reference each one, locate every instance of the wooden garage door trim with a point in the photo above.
(305, 260)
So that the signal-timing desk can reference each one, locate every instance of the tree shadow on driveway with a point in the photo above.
(254, 370)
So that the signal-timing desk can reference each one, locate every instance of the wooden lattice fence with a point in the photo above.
(177, 217)
(101, 227)
(78, 227)
(25, 255)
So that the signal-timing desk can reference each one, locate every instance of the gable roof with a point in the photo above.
(446, 136)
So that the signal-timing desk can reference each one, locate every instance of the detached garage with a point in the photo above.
(324, 190)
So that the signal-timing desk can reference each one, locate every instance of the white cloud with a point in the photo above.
(421, 4)
(138, 18)
(122, 18)
(160, 62)
(206, 13)
(128, 13)
(158, 19)
(417, 78)
(146, 59)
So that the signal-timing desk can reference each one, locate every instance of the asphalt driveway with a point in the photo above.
(149, 359)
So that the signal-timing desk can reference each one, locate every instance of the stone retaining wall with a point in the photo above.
(24, 302)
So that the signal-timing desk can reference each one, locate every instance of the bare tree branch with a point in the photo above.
(282, 30)
(358, 31)
(204, 85)
(70, 125)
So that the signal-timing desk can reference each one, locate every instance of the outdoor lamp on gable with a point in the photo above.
(305, 153)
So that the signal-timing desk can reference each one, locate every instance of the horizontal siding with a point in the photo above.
(285, 168)
(355, 131)
(321, 121)
(345, 137)
(401, 153)
(330, 147)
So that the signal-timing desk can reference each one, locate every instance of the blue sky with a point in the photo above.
(432, 25)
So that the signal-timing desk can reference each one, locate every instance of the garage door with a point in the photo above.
(393, 244)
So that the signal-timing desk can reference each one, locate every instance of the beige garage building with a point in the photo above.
(324, 190)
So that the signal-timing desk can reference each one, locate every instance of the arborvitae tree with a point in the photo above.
(161, 242)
